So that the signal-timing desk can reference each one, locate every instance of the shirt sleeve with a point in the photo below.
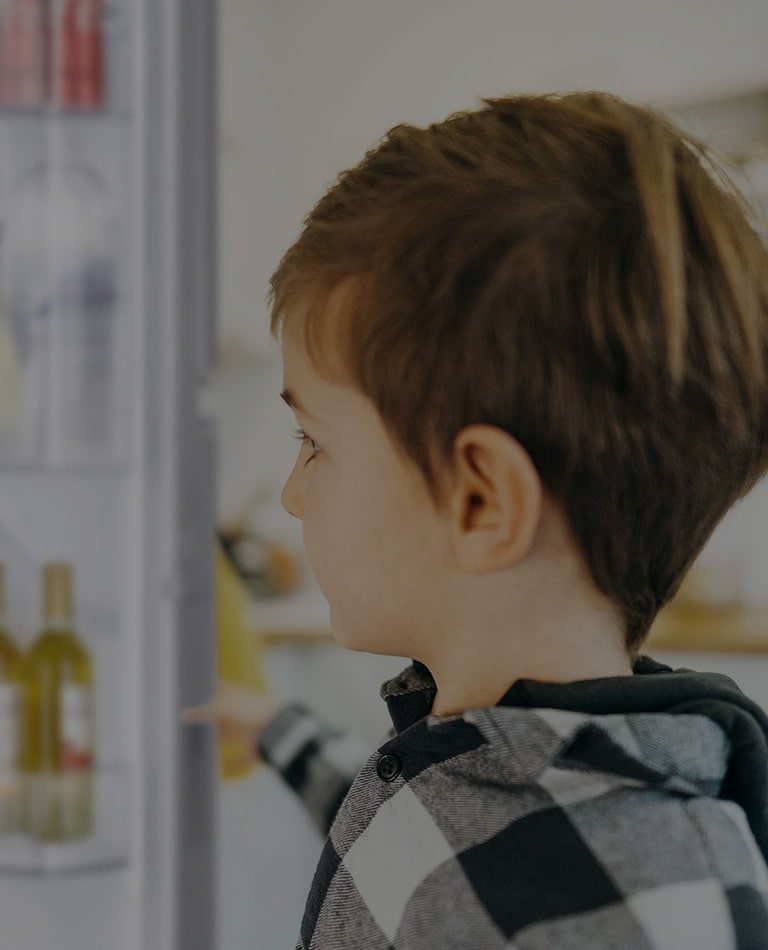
(316, 760)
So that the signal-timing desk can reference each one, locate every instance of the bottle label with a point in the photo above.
(9, 727)
(76, 728)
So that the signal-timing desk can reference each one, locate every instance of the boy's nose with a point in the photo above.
(292, 495)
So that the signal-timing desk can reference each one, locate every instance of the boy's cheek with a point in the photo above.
(312, 534)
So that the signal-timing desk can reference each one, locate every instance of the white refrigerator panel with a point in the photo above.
(108, 464)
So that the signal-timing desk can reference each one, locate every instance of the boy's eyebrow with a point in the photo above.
(292, 402)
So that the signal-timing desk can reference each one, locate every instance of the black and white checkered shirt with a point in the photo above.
(627, 813)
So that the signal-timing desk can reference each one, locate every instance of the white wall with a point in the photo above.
(308, 85)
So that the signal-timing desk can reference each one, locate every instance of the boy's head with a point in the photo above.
(569, 269)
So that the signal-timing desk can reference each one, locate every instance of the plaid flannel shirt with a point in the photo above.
(624, 813)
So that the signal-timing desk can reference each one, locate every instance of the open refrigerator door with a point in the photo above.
(106, 473)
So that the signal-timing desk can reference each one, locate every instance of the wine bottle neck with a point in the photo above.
(57, 595)
(56, 624)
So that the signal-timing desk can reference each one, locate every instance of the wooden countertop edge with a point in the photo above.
(298, 637)
(687, 630)
(699, 630)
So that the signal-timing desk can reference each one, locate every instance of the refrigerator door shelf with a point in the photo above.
(19, 466)
(74, 65)
(107, 847)
(50, 113)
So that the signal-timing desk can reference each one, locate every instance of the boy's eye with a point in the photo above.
(305, 439)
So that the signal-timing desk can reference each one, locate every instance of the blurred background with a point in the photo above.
(156, 159)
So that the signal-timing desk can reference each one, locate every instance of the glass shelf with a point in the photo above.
(41, 115)
(107, 847)
(109, 469)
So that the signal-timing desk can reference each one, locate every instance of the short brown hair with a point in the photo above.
(576, 271)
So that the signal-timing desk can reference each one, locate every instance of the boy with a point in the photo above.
(527, 349)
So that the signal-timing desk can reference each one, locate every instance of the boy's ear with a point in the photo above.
(496, 499)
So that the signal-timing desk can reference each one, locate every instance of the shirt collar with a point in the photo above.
(410, 695)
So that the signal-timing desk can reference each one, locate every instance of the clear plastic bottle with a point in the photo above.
(24, 295)
(63, 296)
(11, 402)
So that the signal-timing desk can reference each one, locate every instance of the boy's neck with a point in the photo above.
(471, 679)
(545, 621)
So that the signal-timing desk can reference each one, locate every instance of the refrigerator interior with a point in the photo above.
(106, 321)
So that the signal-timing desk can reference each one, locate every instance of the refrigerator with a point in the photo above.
(107, 274)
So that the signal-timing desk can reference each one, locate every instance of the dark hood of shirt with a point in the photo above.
(653, 688)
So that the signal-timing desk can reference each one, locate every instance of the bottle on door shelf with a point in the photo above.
(78, 54)
(90, 54)
(25, 30)
(52, 51)
(58, 731)
(10, 779)
(11, 378)
(63, 298)
(8, 50)
(64, 53)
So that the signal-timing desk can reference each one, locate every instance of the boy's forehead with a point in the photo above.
(324, 306)
(315, 328)
(323, 401)
(306, 385)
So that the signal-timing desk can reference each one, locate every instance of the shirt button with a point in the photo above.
(388, 767)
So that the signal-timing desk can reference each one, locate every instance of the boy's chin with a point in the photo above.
(361, 640)
(352, 640)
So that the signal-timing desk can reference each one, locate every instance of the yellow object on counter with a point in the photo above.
(239, 652)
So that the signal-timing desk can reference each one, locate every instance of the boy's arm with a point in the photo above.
(317, 761)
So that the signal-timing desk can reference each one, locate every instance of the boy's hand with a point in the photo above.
(236, 712)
